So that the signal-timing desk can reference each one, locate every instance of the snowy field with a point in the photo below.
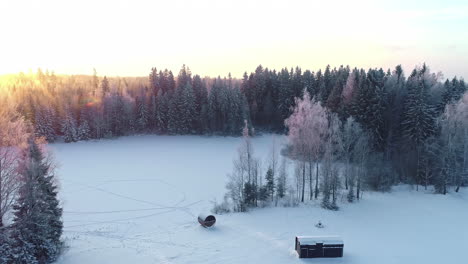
(135, 200)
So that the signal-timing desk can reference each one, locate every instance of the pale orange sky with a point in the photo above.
(216, 37)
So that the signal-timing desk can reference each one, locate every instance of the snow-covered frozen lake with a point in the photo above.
(135, 200)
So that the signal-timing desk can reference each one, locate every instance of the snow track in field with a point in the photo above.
(135, 200)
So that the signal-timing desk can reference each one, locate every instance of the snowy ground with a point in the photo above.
(135, 200)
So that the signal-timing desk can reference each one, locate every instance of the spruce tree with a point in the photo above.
(44, 125)
(142, 114)
(281, 181)
(105, 87)
(418, 120)
(69, 129)
(174, 122)
(37, 224)
(201, 104)
(154, 81)
(286, 95)
(270, 184)
(6, 251)
(187, 108)
(83, 132)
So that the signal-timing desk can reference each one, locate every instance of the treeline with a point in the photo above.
(370, 131)
(88, 107)
(30, 212)
(336, 157)
(405, 118)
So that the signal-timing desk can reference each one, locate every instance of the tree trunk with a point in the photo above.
(426, 177)
(310, 181)
(358, 184)
(316, 180)
(417, 168)
(346, 174)
(303, 181)
(462, 173)
(358, 187)
(334, 190)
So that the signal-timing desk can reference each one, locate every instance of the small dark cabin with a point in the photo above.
(319, 247)
(206, 220)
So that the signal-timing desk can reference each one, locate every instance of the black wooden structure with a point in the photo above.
(319, 247)
(206, 220)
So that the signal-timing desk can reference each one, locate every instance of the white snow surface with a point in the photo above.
(136, 200)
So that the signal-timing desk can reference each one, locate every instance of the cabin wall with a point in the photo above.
(319, 251)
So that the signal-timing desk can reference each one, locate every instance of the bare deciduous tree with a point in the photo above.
(13, 138)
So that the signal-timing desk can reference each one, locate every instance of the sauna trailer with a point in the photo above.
(319, 247)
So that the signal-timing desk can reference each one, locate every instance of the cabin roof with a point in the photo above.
(307, 240)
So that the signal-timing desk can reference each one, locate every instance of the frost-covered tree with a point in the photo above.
(37, 225)
(351, 132)
(243, 180)
(286, 94)
(201, 104)
(418, 121)
(44, 123)
(105, 87)
(69, 129)
(281, 181)
(162, 111)
(330, 170)
(361, 153)
(187, 108)
(350, 87)
(173, 118)
(270, 184)
(454, 136)
(142, 114)
(307, 130)
(453, 91)
(154, 81)
(13, 138)
(395, 88)
(83, 131)
(6, 250)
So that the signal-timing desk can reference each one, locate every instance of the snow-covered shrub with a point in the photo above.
(221, 208)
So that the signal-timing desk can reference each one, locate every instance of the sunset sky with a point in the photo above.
(215, 37)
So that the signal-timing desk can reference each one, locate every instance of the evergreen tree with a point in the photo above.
(187, 108)
(201, 104)
(105, 87)
(162, 112)
(270, 184)
(44, 124)
(6, 251)
(282, 180)
(173, 118)
(83, 132)
(154, 81)
(69, 129)
(286, 95)
(452, 92)
(152, 113)
(327, 85)
(250, 194)
(37, 225)
(418, 122)
(142, 114)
